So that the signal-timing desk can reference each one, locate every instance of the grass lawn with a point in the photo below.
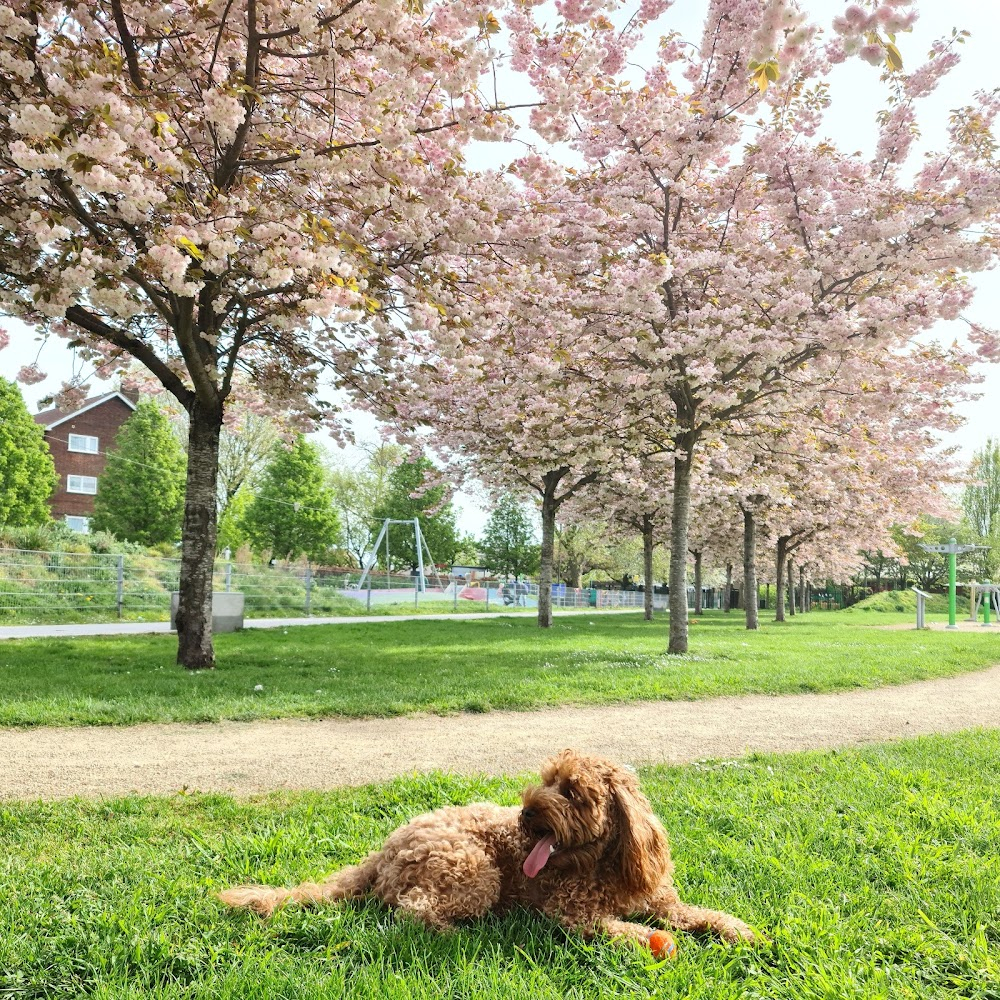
(480, 665)
(875, 874)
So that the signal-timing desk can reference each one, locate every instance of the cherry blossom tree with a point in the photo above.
(239, 195)
(510, 408)
(734, 272)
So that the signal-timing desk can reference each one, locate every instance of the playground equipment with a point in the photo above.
(985, 596)
(951, 550)
(420, 544)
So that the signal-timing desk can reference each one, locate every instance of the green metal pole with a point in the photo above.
(952, 585)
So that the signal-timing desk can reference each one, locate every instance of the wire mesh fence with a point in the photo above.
(71, 586)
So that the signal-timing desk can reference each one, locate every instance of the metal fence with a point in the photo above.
(83, 586)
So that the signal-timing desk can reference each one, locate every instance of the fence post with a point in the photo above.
(120, 590)
(369, 605)
(487, 595)
(309, 588)
(229, 577)
(454, 587)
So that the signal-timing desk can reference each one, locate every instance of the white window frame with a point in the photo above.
(82, 482)
(84, 523)
(87, 444)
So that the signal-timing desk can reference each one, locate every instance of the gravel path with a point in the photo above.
(250, 757)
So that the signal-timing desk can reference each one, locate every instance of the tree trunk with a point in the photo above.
(647, 567)
(194, 612)
(802, 590)
(678, 550)
(550, 508)
(779, 585)
(791, 588)
(728, 595)
(750, 569)
(697, 584)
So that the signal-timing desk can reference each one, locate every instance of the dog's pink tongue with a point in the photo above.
(535, 861)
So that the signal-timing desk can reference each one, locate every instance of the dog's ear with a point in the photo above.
(642, 841)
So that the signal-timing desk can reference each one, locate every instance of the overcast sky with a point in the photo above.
(850, 124)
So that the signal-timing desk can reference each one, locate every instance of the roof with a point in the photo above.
(54, 417)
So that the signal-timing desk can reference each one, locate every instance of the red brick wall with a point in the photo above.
(101, 422)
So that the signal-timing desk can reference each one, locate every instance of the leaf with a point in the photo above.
(893, 58)
(191, 247)
(488, 24)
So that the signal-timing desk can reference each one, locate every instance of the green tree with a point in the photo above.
(468, 551)
(509, 545)
(230, 533)
(581, 548)
(27, 475)
(292, 512)
(929, 570)
(437, 518)
(140, 494)
(981, 503)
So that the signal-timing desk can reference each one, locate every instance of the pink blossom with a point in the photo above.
(70, 396)
(30, 375)
(856, 17)
(873, 54)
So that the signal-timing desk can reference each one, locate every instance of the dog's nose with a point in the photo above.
(529, 813)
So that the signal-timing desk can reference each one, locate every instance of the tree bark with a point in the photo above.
(679, 547)
(194, 613)
(697, 584)
(779, 586)
(550, 508)
(728, 595)
(750, 569)
(647, 567)
(791, 588)
(802, 590)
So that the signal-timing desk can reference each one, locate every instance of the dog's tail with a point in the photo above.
(263, 900)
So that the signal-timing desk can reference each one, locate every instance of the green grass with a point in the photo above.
(384, 669)
(905, 602)
(875, 875)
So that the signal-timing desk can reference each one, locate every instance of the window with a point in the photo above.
(81, 524)
(81, 484)
(83, 442)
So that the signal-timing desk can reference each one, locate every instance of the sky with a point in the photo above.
(850, 123)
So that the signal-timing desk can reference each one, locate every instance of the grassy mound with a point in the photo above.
(899, 601)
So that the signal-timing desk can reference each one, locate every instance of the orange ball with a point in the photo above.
(662, 944)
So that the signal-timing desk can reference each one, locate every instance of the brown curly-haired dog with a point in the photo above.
(585, 848)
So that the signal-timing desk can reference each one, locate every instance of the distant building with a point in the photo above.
(79, 440)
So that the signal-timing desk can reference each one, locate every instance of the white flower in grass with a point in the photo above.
(258, 687)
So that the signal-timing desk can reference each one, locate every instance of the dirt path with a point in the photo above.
(248, 757)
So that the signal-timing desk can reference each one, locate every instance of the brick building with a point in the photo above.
(79, 441)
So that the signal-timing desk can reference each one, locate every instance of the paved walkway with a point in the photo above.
(245, 758)
(142, 628)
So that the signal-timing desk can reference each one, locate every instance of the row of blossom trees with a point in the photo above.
(719, 289)
(261, 198)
